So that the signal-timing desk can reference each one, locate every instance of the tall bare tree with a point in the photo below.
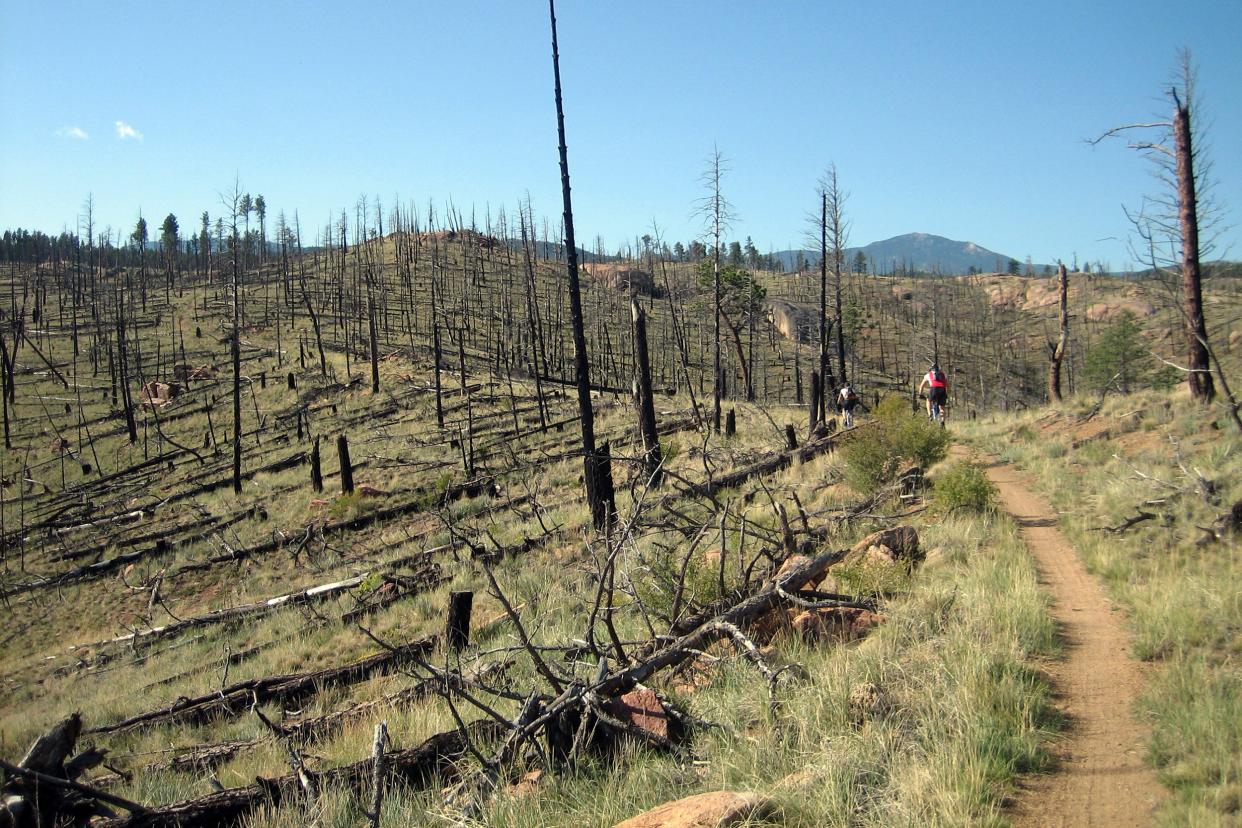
(1057, 351)
(717, 214)
(234, 203)
(596, 468)
(1169, 223)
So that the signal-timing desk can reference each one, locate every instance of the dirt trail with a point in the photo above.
(1102, 779)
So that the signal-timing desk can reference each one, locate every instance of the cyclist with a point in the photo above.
(937, 393)
(847, 401)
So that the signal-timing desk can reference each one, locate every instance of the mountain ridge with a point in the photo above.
(916, 252)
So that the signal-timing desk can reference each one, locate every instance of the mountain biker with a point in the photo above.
(847, 401)
(937, 392)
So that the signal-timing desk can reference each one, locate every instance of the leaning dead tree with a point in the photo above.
(597, 468)
(1057, 351)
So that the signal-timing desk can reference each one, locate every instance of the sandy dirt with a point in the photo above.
(1101, 778)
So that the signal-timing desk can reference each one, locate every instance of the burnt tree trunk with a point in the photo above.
(817, 390)
(347, 469)
(818, 398)
(597, 467)
(235, 350)
(1058, 351)
(457, 624)
(1202, 388)
(646, 403)
(316, 468)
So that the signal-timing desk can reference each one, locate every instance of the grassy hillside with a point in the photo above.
(138, 583)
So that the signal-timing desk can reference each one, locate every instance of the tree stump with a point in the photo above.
(457, 624)
(316, 469)
(347, 469)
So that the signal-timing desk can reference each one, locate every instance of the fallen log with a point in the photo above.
(768, 465)
(236, 698)
(255, 608)
(415, 767)
(196, 758)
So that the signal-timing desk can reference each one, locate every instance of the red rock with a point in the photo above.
(641, 708)
(834, 624)
(527, 785)
(718, 809)
(888, 546)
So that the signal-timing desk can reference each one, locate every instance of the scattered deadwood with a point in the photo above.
(236, 698)
(414, 767)
(768, 465)
(200, 757)
(41, 788)
(1128, 523)
(427, 576)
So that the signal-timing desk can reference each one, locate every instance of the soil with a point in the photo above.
(1100, 778)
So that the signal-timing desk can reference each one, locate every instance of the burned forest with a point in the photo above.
(432, 515)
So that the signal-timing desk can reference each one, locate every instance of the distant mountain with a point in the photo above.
(918, 252)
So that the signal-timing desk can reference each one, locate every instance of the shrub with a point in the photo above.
(874, 455)
(964, 486)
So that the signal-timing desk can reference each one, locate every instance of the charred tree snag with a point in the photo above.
(457, 624)
(817, 399)
(1058, 350)
(646, 403)
(40, 790)
(372, 336)
(1201, 386)
(730, 423)
(316, 468)
(235, 352)
(595, 469)
(437, 351)
(347, 469)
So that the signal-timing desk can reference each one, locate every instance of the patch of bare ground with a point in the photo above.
(1101, 778)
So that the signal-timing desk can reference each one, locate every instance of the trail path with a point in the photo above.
(1101, 779)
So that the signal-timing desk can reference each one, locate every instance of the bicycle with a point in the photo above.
(937, 414)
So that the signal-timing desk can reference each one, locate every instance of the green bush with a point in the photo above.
(875, 455)
(964, 486)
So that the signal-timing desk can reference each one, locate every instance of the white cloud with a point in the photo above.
(75, 132)
(124, 131)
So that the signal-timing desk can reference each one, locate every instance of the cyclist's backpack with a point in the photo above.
(938, 377)
(850, 396)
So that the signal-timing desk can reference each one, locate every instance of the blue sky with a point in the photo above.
(965, 119)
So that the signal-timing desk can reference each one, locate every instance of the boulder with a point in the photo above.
(836, 625)
(1110, 311)
(898, 544)
(156, 393)
(527, 785)
(641, 708)
(717, 809)
(621, 277)
(795, 322)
